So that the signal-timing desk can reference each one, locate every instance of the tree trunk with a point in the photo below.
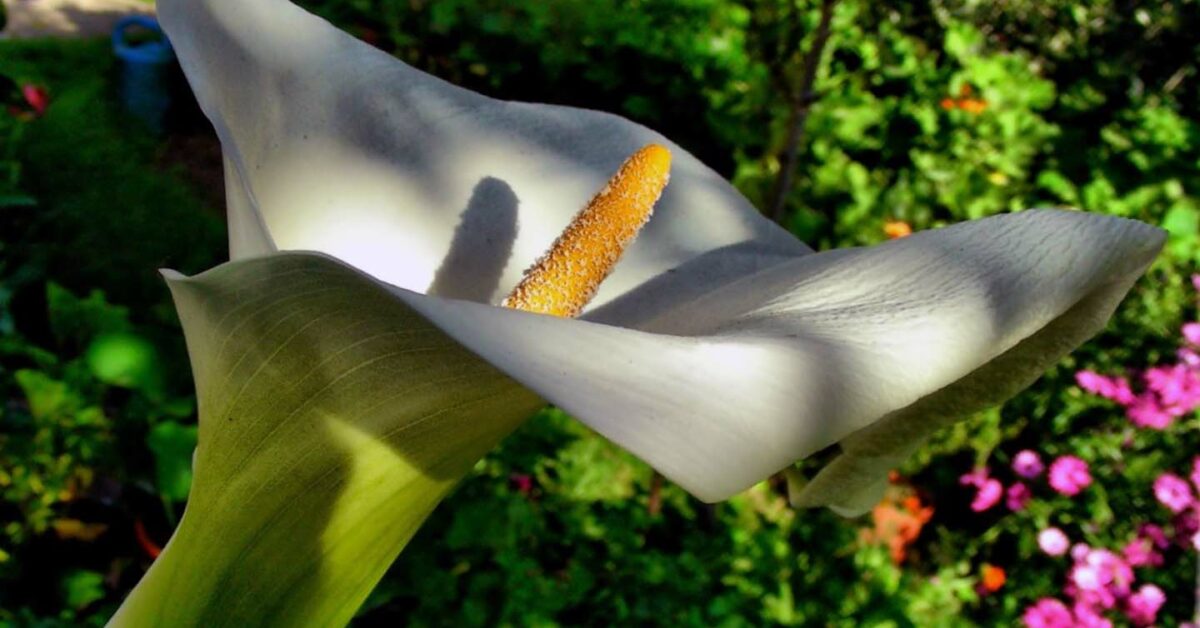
(801, 101)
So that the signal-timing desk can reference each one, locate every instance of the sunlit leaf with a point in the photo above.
(332, 420)
(127, 360)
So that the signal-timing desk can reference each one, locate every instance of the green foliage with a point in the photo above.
(89, 165)
(63, 431)
(81, 588)
(172, 445)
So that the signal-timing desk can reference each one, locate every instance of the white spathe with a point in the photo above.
(721, 349)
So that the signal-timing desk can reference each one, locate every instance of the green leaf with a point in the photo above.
(16, 199)
(1059, 185)
(1182, 222)
(47, 397)
(81, 588)
(78, 320)
(332, 420)
(172, 445)
(127, 360)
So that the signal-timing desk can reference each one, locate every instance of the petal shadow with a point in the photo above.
(482, 245)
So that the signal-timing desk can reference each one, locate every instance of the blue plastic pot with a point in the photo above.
(144, 70)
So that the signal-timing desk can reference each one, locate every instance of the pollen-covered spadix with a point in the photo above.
(566, 278)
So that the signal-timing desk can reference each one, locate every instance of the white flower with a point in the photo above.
(721, 349)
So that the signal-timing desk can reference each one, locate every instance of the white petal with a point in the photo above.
(345, 150)
(248, 236)
(774, 367)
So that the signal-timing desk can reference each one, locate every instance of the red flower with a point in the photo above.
(37, 98)
(144, 541)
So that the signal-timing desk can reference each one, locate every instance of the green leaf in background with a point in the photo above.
(127, 360)
(332, 420)
(1060, 186)
(76, 320)
(82, 587)
(172, 444)
(1182, 222)
(10, 199)
(47, 397)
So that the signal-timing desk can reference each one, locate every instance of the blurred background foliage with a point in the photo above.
(917, 114)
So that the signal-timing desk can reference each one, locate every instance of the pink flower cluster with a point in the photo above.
(1068, 475)
(1176, 494)
(1098, 582)
(1169, 391)
(1101, 581)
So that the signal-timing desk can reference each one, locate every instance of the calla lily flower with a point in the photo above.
(353, 350)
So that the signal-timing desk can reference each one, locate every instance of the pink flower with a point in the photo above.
(1173, 492)
(1196, 281)
(523, 482)
(1028, 464)
(1048, 613)
(1142, 607)
(976, 477)
(987, 495)
(1112, 388)
(1196, 473)
(1099, 580)
(987, 490)
(1191, 333)
(1186, 525)
(1079, 551)
(1140, 552)
(1146, 411)
(1087, 617)
(1054, 542)
(1069, 475)
(37, 98)
(1178, 387)
(1017, 496)
(1154, 534)
(1189, 357)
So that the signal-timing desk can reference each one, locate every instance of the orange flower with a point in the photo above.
(896, 229)
(897, 525)
(993, 578)
(973, 106)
